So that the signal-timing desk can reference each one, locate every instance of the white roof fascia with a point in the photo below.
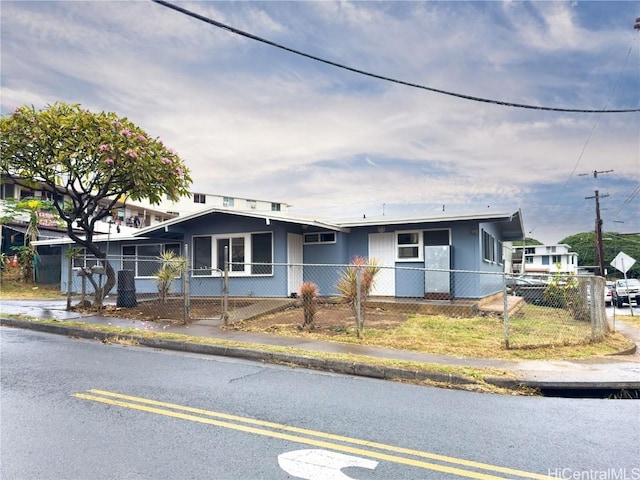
(439, 219)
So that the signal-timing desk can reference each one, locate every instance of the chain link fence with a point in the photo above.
(520, 311)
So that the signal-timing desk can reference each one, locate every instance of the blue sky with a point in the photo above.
(254, 121)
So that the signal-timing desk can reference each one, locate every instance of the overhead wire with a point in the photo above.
(381, 77)
(595, 125)
(431, 89)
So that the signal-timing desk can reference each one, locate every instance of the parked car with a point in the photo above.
(531, 288)
(625, 291)
(514, 280)
(608, 294)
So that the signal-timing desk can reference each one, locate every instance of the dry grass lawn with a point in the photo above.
(535, 332)
(11, 288)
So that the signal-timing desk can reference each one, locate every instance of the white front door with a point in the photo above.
(294, 261)
(382, 247)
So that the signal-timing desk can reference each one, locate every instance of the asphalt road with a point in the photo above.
(75, 409)
(624, 311)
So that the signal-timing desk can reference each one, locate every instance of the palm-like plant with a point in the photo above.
(172, 267)
(355, 285)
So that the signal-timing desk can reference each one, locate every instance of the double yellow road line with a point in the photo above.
(329, 441)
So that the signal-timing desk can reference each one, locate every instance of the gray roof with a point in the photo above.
(511, 223)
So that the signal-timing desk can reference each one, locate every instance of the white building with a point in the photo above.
(127, 216)
(543, 259)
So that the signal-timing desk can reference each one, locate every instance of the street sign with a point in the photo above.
(623, 262)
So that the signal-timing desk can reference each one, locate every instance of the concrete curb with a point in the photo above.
(337, 366)
(362, 369)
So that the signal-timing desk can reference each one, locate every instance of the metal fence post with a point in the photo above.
(225, 288)
(358, 301)
(185, 285)
(505, 315)
(69, 282)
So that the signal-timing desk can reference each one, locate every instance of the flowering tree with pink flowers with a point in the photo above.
(88, 163)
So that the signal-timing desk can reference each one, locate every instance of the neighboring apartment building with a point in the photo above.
(544, 259)
(196, 202)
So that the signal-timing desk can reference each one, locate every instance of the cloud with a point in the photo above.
(258, 122)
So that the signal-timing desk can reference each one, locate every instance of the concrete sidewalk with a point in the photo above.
(616, 372)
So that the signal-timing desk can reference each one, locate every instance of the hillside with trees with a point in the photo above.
(613, 243)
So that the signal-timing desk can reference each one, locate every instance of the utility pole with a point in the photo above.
(599, 250)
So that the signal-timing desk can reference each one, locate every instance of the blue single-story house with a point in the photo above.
(272, 253)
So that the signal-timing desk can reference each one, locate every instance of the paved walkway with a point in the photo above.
(610, 372)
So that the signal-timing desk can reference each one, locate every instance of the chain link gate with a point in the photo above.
(204, 295)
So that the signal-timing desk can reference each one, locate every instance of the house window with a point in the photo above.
(261, 254)
(528, 259)
(556, 259)
(202, 255)
(235, 246)
(409, 246)
(500, 253)
(84, 259)
(530, 251)
(551, 249)
(144, 260)
(228, 202)
(248, 254)
(488, 247)
(320, 237)
(437, 237)
(51, 196)
(8, 191)
(275, 207)
(251, 204)
(199, 198)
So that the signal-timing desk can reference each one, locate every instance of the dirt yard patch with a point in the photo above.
(330, 320)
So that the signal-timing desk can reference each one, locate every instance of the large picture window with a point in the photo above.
(248, 253)
(144, 260)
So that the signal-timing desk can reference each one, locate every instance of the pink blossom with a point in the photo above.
(142, 138)
(108, 161)
(125, 132)
(103, 147)
(132, 154)
(179, 171)
(171, 151)
(166, 161)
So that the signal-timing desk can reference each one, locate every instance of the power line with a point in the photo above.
(380, 77)
(593, 129)
(627, 201)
